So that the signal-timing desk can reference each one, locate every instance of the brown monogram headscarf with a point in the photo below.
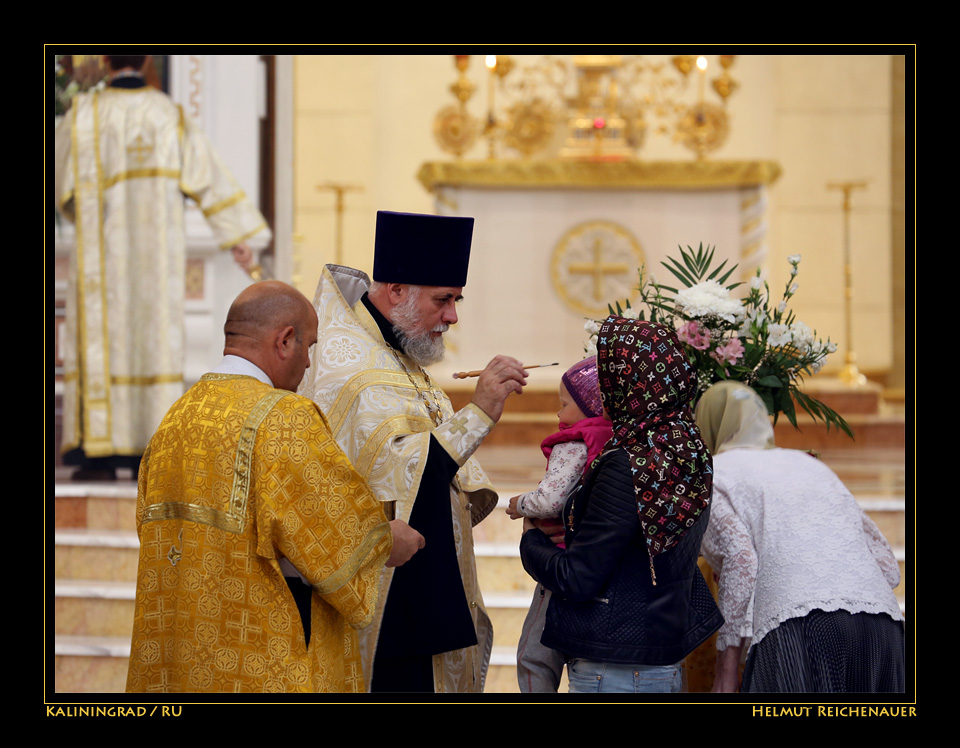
(647, 384)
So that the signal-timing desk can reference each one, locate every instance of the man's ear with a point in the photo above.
(285, 341)
(397, 292)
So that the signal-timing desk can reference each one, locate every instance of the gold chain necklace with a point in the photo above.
(436, 414)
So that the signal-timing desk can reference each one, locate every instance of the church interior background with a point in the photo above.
(324, 141)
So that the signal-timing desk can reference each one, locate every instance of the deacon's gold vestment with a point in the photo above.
(238, 475)
(378, 404)
(125, 159)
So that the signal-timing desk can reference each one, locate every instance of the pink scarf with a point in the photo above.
(594, 432)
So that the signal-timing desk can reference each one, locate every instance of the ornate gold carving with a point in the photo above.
(604, 102)
(529, 126)
(455, 130)
(593, 262)
(595, 128)
(628, 175)
(703, 128)
(453, 127)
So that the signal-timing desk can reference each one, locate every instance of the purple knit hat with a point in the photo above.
(581, 382)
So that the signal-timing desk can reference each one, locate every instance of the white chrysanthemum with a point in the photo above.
(710, 299)
(779, 335)
(794, 287)
(831, 347)
(794, 260)
(630, 313)
(756, 283)
(802, 336)
(591, 327)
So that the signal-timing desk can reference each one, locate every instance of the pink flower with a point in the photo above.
(728, 353)
(694, 335)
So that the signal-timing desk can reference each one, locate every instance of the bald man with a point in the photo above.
(261, 548)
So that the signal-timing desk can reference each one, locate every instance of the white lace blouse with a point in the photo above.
(786, 537)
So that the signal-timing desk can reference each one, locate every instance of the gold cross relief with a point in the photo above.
(598, 269)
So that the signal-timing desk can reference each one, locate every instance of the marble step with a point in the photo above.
(90, 664)
(107, 555)
(106, 506)
(92, 607)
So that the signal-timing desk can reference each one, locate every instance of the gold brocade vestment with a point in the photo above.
(377, 402)
(125, 159)
(238, 476)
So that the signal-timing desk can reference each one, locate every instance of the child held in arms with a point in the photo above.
(569, 452)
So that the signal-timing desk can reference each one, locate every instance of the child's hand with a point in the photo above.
(512, 509)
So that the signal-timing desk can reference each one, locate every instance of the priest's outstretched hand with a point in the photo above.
(502, 376)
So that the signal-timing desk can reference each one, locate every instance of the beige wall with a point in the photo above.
(366, 120)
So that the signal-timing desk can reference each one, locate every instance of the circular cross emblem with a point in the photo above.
(594, 264)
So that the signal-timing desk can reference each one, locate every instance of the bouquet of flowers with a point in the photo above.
(752, 340)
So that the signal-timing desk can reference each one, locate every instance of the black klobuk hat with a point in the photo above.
(423, 250)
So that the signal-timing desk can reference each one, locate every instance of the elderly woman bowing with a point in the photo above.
(805, 577)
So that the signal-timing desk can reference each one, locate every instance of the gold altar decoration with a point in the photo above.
(631, 174)
(593, 262)
(606, 106)
(595, 127)
(703, 127)
(453, 127)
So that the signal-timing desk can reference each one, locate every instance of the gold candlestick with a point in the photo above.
(850, 374)
(339, 190)
(453, 127)
(490, 130)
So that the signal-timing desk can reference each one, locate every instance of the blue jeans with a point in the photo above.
(588, 676)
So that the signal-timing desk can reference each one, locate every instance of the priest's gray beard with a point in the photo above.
(417, 343)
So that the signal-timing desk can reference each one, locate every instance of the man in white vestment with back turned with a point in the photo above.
(126, 157)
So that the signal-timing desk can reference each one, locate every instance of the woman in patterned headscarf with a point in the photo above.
(804, 573)
(629, 602)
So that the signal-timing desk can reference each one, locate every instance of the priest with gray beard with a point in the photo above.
(367, 373)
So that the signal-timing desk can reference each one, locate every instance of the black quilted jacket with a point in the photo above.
(605, 606)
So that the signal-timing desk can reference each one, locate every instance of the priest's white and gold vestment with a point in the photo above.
(378, 404)
(125, 159)
(238, 476)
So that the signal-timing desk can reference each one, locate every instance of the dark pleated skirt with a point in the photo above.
(835, 652)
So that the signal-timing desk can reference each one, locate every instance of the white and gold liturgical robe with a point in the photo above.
(238, 476)
(377, 403)
(125, 159)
